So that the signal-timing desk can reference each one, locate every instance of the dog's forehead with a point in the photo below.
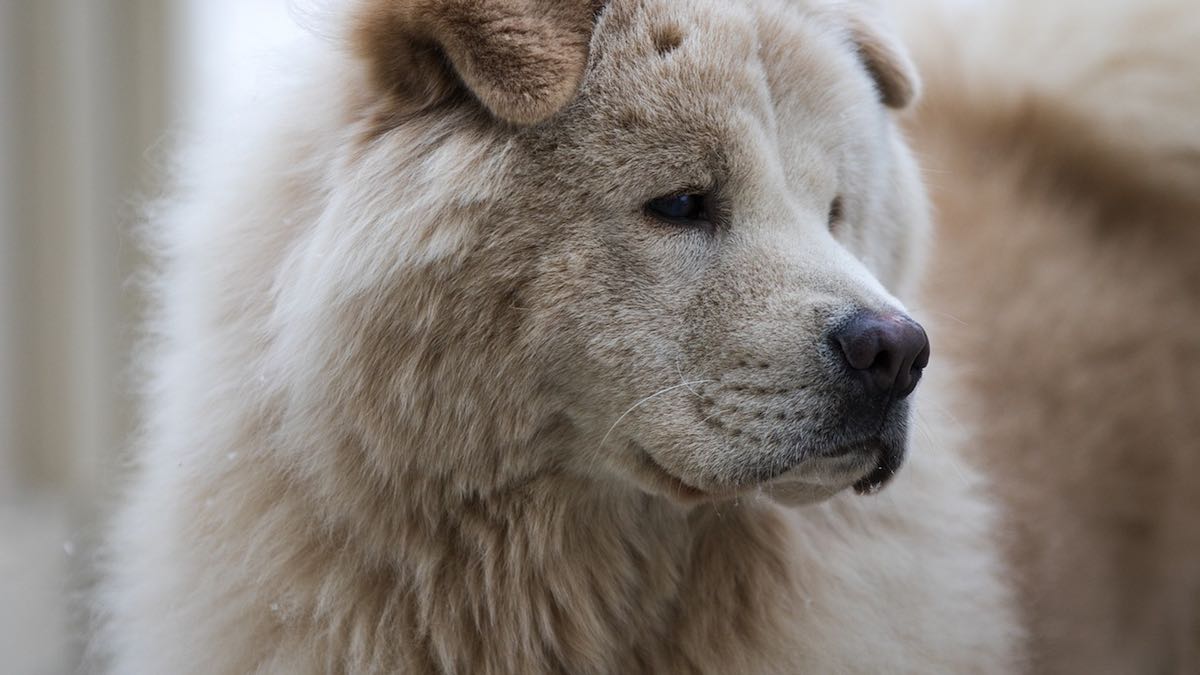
(771, 60)
(656, 43)
(694, 91)
(726, 43)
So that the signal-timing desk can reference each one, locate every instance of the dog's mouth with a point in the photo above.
(868, 467)
(888, 459)
(874, 482)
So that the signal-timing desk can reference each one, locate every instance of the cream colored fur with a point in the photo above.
(1123, 69)
(1062, 142)
(432, 394)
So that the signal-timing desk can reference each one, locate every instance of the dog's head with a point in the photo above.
(656, 240)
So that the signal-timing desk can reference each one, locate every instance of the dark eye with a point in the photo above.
(836, 212)
(684, 209)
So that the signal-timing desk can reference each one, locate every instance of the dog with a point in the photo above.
(541, 336)
(1062, 144)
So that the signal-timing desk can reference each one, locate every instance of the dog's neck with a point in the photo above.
(555, 574)
(541, 570)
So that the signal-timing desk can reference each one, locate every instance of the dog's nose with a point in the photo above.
(887, 351)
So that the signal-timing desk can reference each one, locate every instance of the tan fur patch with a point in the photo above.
(523, 59)
(884, 58)
(667, 38)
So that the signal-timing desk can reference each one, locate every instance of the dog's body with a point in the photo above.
(435, 394)
(1062, 144)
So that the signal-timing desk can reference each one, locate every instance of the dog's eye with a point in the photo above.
(836, 212)
(684, 208)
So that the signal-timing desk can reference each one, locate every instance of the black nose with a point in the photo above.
(888, 351)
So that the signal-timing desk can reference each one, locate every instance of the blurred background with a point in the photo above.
(94, 94)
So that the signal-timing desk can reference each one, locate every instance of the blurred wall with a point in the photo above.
(85, 96)
(8, 252)
(94, 94)
(83, 88)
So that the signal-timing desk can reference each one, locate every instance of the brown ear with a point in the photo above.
(886, 60)
(522, 59)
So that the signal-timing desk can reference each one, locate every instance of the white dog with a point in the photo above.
(547, 336)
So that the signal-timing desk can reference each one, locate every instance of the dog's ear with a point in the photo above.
(885, 59)
(522, 59)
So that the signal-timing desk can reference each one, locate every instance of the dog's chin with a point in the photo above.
(867, 467)
(819, 479)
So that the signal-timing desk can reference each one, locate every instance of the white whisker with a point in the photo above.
(949, 316)
(645, 401)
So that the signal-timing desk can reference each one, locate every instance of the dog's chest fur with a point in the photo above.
(527, 584)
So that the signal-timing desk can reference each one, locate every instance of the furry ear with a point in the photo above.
(522, 59)
(886, 60)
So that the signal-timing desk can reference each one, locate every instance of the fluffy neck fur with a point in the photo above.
(532, 579)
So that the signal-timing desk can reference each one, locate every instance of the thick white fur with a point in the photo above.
(274, 528)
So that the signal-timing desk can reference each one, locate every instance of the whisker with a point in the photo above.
(946, 315)
(645, 401)
(679, 371)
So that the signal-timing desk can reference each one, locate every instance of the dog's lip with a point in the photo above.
(884, 459)
(881, 460)
(874, 482)
(888, 459)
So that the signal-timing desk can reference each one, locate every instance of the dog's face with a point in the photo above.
(735, 197)
(702, 232)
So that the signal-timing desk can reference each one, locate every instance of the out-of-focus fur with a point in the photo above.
(431, 393)
(1061, 142)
